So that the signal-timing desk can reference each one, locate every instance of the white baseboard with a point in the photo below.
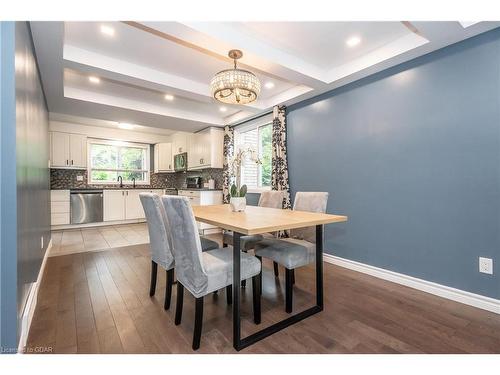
(29, 308)
(468, 298)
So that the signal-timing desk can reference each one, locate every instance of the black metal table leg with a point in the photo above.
(236, 290)
(319, 266)
(238, 342)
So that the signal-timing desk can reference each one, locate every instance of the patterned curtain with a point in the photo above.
(228, 153)
(279, 174)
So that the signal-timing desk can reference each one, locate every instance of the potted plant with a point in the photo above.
(238, 199)
(238, 192)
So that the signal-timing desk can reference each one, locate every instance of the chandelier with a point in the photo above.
(235, 86)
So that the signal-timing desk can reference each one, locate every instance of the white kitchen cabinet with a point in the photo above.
(114, 205)
(125, 204)
(179, 143)
(163, 158)
(203, 198)
(59, 149)
(78, 150)
(205, 149)
(133, 205)
(59, 207)
(68, 150)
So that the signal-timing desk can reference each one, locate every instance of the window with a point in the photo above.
(110, 159)
(258, 137)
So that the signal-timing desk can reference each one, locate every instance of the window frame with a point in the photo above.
(248, 128)
(119, 144)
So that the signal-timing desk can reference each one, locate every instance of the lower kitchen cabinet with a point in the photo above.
(114, 205)
(124, 204)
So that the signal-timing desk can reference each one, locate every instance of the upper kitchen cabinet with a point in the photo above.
(163, 156)
(205, 149)
(179, 143)
(68, 150)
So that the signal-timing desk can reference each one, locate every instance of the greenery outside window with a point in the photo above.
(256, 176)
(110, 159)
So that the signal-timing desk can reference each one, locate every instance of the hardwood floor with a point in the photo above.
(98, 302)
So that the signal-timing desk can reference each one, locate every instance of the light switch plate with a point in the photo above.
(79, 178)
(486, 265)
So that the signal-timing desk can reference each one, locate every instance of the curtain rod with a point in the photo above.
(251, 119)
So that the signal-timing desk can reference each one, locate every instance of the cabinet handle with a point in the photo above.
(71, 162)
(127, 193)
(67, 162)
(123, 193)
(170, 166)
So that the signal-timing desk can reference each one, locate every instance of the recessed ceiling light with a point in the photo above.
(353, 41)
(94, 79)
(269, 85)
(169, 97)
(222, 109)
(124, 125)
(107, 30)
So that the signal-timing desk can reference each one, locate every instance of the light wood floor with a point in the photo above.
(98, 302)
(70, 241)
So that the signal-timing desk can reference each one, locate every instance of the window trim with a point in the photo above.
(111, 142)
(248, 128)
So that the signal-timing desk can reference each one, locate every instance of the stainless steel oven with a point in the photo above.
(86, 206)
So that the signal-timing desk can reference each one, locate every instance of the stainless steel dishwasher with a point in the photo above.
(86, 206)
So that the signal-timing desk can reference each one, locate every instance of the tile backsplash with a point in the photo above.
(68, 179)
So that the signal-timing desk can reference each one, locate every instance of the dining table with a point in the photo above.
(259, 220)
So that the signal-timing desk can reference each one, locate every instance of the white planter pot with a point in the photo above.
(238, 203)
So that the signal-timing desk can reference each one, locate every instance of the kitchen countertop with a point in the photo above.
(115, 188)
(136, 188)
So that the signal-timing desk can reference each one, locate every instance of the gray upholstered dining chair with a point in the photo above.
(159, 244)
(270, 199)
(200, 272)
(298, 250)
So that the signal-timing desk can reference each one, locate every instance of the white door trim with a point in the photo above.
(29, 308)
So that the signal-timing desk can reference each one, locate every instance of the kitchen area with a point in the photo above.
(97, 174)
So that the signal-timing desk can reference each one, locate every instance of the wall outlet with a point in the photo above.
(486, 265)
(41, 242)
(79, 178)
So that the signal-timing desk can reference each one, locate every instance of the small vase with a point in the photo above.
(238, 204)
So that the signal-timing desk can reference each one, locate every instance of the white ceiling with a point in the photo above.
(142, 62)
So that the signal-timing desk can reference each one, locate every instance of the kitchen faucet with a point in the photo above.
(133, 180)
(121, 181)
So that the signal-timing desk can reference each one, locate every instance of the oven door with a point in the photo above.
(180, 162)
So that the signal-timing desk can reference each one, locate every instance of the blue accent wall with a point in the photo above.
(412, 156)
(24, 183)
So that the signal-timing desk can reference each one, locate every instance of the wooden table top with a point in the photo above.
(256, 220)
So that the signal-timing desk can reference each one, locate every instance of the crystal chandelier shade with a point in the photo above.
(235, 86)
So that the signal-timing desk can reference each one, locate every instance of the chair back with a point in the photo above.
(272, 199)
(157, 226)
(186, 244)
(311, 202)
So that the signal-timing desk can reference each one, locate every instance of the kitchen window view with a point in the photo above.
(109, 160)
(257, 176)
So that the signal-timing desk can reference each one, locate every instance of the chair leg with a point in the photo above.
(224, 244)
(293, 277)
(288, 290)
(276, 271)
(168, 288)
(260, 274)
(198, 323)
(178, 305)
(229, 294)
(256, 291)
(154, 271)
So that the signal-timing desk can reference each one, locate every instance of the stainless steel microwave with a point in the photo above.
(181, 162)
